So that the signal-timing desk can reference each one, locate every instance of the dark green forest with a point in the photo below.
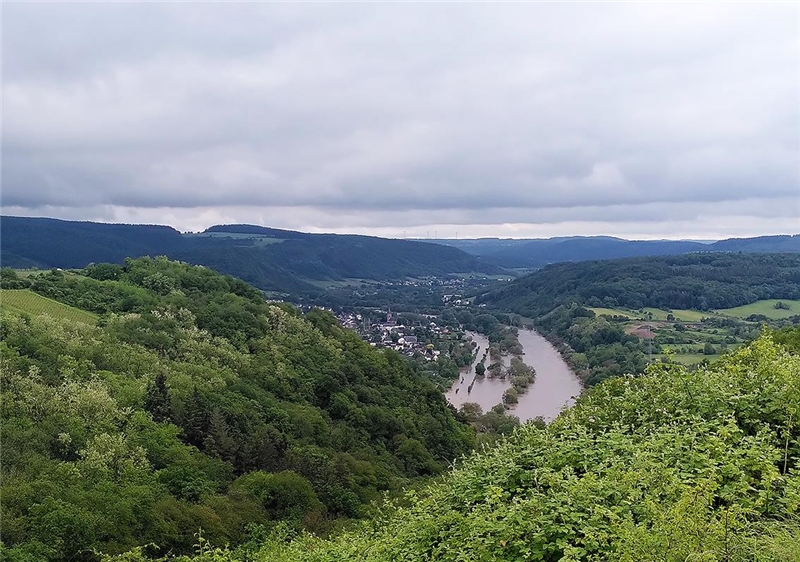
(694, 281)
(196, 404)
(275, 260)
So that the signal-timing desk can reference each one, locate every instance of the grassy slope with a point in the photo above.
(25, 273)
(765, 307)
(658, 314)
(27, 302)
(599, 310)
(689, 358)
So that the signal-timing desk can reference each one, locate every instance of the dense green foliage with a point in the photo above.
(194, 403)
(695, 281)
(789, 338)
(594, 346)
(669, 466)
(272, 260)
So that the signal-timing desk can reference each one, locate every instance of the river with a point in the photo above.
(555, 388)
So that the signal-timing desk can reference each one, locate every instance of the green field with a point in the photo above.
(657, 314)
(598, 310)
(688, 359)
(679, 314)
(24, 301)
(25, 273)
(479, 275)
(339, 283)
(765, 307)
(256, 239)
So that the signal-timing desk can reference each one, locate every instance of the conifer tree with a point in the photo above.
(157, 400)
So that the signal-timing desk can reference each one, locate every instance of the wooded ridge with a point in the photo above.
(273, 260)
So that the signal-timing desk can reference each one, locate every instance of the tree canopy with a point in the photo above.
(194, 403)
(669, 466)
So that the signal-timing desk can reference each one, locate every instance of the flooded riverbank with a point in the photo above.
(555, 388)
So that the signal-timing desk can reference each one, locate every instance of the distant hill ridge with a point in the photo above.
(294, 262)
(536, 253)
(271, 259)
(255, 230)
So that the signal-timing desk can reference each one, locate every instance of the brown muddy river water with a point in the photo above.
(555, 388)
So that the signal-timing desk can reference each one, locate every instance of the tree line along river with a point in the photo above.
(555, 388)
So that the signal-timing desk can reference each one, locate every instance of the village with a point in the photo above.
(415, 340)
(433, 330)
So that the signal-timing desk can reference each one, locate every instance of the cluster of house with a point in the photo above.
(455, 300)
(431, 282)
(389, 334)
(459, 300)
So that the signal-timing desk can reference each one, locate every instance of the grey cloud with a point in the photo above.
(454, 114)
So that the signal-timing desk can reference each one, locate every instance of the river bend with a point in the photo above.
(555, 388)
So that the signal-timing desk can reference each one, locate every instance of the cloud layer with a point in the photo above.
(502, 119)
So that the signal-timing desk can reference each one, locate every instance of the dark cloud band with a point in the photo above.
(452, 114)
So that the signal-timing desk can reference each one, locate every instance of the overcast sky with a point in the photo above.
(512, 120)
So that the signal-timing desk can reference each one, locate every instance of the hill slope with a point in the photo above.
(195, 404)
(57, 243)
(271, 259)
(557, 298)
(668, 466)
(27, 302)
(695, 281)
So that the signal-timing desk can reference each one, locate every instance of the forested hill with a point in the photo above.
(520, 253)
(693, 281)
(314, 257)
(195, 404)
(672, 465)
(270, 259)
(47, 243)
